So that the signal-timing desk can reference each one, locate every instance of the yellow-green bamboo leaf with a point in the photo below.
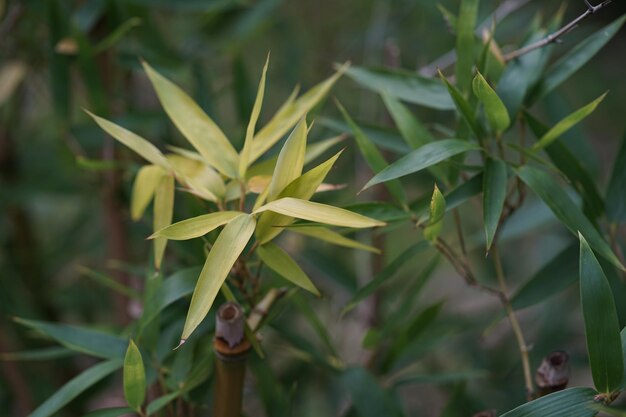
(144, 187)
(317, 212)
(330, 236)
(163, 211)
(280, 262)
(199, 129)
(196, 226)
(289, 115)
(198, 175)
(437, 213)
(135, 142)
(567, 123)
(225, 251)
(290, 161)
(134, 377)
(244, 157)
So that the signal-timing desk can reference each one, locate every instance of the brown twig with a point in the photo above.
(556, 36)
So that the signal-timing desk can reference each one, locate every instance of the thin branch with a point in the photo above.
(555, 37)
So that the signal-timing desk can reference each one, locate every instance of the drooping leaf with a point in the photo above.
(464, 108)
(465, 26)
(145, 184)
(280, 262)
(163, 212)
(494, 195)
(404, 85)
(421, 158)
(317, 212)
(199, 129)
(567, 123)
(135, 142)
(75, 387)
(225, 251)
(254, 116)
(615, 195)
(436, 215)
(196, 226)
(565, 210)
(290, 161)
(134, 377)
(601, 325)
(330, 236)
(80, 339)
(571, 402)
(496, 111)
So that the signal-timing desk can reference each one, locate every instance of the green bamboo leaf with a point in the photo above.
(496, 111)
(135, 142)
(573, 60)
(571, 402)
(117, 35)
(463, 107)
(565, 210)
(465, 27)
(373, 157)
(413, 131)
(80, 339)
(109, 412)
(280, 262)
(148, 177)
(37, 354)
(158, 404)
(368, 397)
(435, 218)
(134, 377)
(601, 325)
(327, 235)
(289, 114)
(317, 212)
(448, 16)
(163, 212)
(494, 194)
(404, 85)
(75, 387)
(225, 251)
(271, 224)
(196, 226)
(244, 157)
(567, 123)
(199, 129)
(421, 158)
(383, 276)
(196, 174)
(615, 195)
(290, 161)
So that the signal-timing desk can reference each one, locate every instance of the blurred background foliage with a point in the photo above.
(66, 234)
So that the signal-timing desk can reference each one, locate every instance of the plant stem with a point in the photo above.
(517, 330)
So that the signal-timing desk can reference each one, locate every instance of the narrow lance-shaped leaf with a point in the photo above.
(437, 213)
(279, 261)
(75, 387)
(616, 193)
(373, 157)
(290, 161)
(135, 142)
(421, 158)
(134, 377)
(494, 194)
(496, 111)
(196, 226)
(565, 210)
(463, 106)
(199, 129)
(567, 123)
(571, 402)
(109, 412)
(225, 251)
(271, 224)
(601, 325)
(163, 212)
(244, 157)
(413, 132)
(465, 25)
(330, 236)
(144, 187)
(317, 212)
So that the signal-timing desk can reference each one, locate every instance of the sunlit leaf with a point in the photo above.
(601, 325)
(290, 161)
(225, 251)
(144, 187)
(317, 212)
(163, 212)
(199, 129)
(330, 236)
(567, 123)
(279, 261)
(134, 377)
(496, 111)
(196, 226)
(436, 215)
(571, 402)
(494, 195)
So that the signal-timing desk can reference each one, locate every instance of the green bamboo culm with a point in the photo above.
(231, 350)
